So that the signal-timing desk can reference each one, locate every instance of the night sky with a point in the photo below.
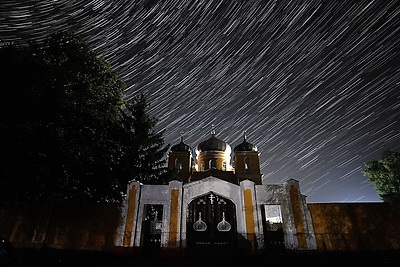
(315, 84)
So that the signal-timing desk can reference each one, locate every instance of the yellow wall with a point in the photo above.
(209, 155)
(240, 160)
(249, 215)
(185, 158)
(173, 225)
(128, 233)
(61, 226)
(298, 217)
(355, 226)
(253, 173)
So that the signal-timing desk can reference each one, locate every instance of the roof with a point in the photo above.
(245, 146)
(212, 144)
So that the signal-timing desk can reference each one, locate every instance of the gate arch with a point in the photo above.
(211, 222)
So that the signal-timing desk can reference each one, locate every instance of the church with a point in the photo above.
(216, 202)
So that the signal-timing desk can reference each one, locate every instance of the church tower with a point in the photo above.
(213, 158)
(213, 154)
(180, 158)
(247, 162)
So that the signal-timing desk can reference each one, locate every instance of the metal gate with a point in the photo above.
(152, 226)
(272, 227)
(211, 222)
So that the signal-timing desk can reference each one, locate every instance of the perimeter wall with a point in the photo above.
(337, 226)
(60, 226)
(355, 226)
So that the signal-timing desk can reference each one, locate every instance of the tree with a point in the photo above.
(144, 155)
(66, 131)
(385, 174)
(61, 122)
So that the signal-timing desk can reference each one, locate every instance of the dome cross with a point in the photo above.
(212, 129)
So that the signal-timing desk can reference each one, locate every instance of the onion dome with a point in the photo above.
(181, 147)
(212, 144)
(224, 226)
(245, 146)
(200, 225)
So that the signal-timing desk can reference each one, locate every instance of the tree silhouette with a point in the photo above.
(144, 157)
(61, 122)
(67, 133)
(384, 174)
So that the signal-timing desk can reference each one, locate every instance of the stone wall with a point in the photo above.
(355, 226)
(61, 226)
(337, 226)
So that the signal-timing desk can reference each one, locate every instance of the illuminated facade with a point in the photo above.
(216, 202)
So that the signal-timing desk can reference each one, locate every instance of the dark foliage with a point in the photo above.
(144, 157)
(62, 125)
(384, 174)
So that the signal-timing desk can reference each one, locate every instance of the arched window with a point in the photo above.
(213, 164)
(202, 166)
(224, 165)
(247, 165)
(178, 164)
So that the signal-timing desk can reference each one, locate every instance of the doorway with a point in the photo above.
(152, 226)
(273, 227)
(211, 222)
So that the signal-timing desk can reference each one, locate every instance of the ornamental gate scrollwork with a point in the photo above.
(211, 222)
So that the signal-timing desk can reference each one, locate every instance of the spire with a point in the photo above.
(244, 135)
(181, 133)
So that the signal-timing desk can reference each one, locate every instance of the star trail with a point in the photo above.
(315, 84)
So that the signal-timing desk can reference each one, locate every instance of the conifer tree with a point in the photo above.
(144, 158)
